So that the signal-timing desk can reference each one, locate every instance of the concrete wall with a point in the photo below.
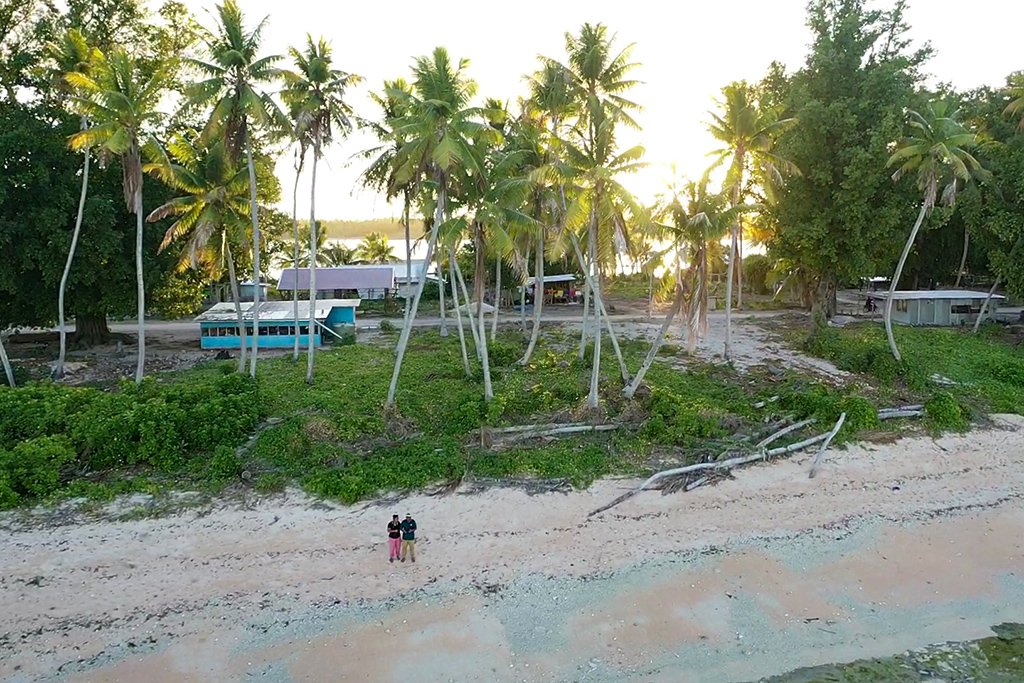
(938, 312)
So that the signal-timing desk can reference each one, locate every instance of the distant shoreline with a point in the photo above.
(358, 229)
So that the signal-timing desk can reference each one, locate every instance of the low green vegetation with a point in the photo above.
(958, 374)
(208, 428)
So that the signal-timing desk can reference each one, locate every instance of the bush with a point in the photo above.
(224, 465)
(755, 273)
(35, 467)
(8, 497)
(386, 326)
(944, 412)
(679, 421)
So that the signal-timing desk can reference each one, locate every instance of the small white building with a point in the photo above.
(940, 307)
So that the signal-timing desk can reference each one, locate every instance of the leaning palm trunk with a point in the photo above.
(58, 370)
(140, 285)
(403, 339)
(295, 257)
(599, 304)
(465, 295)
(984, 306)
(595, 371)
(730, 271)
(896, 278)
(586, 309)
(538, 299)
(254, 209)
(458, 314)
(6, 362)
(440, 288)
(739, 268)
(311, 335)
(656, 346)
(522, 294)
(481, 274)
(497, 299)
(233, 279)
(408, 254)
(963, 258)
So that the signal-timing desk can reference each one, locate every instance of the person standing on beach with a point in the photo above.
(394, 538)
(409, 537)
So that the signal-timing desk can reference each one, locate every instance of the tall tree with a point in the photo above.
(210, 215)
(936, 151)
(439, 136)
(748, 132)
(121, 99)
(316, 91)
(840, 218)
(71, 55)
(1015, 90)
(233, 78)
(375, 248)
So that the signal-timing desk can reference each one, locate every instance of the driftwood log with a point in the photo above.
(821, 451)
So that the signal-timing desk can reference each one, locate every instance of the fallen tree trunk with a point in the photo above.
(900, 413)
(820, 456)
(782, 432)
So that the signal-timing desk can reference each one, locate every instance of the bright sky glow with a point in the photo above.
(687, 51)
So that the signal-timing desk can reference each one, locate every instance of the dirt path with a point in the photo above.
(890, 547)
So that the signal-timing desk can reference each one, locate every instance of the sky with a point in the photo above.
(686, 50)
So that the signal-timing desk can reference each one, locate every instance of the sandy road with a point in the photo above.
(891, 547)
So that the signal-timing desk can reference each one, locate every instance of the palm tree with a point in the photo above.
(936, 150)
(234, 76)
(439, 136)
(302, 146)
(748, 131)
(1016, 93)
(212, 210)
(338, 255)
(316, 92)
(72, 55)
(380, 174)
(375, 249)
(120, 98)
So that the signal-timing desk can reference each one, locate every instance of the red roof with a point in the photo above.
(342, 277)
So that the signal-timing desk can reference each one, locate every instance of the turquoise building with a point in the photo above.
(335, 322)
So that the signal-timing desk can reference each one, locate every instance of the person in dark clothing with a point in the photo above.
(394, 538)
(409, 537)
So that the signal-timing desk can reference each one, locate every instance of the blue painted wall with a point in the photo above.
(340, 314)
(283, 341)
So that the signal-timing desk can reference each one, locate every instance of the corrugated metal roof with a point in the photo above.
(342, 277)
(937, 294)
(272, 310)
(552, 278)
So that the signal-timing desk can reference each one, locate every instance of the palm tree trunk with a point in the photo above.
(465, 295)
(408, 253)
(497, 299)
(739, 268)
(586, 309)
(403, 339)
(728, 294)
(58, 370)
(254, 209)
(458, 315)
(984, 306)
(522, 295)
(963, 258)
(896, 279)
(140, 285)
(650, 295)
(444, 321)
(311, 335)
(599, 303)
(595, 372)
(481, 274)
(6, 362)
(233, 279)
(538, 299)
(658, 341)
(295, 257)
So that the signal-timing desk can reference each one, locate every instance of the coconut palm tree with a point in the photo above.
(71, 55)
(234, 76)
(301, 139)
(1016, 93)
(338, 255)
(749, 132)
(440, 135)
(211, 212)
(380, 175)
(317, 93)
(120, 98)
(936, 151)
(375, 248)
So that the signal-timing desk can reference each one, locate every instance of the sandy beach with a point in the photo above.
(890, 547)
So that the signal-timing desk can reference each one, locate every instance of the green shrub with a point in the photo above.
(224, 465)
(945, 412)
(861, 415)
(8, 497)
(35, 467)
(502, 353)
(386, 326)
(678, 421)
(271, 482)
